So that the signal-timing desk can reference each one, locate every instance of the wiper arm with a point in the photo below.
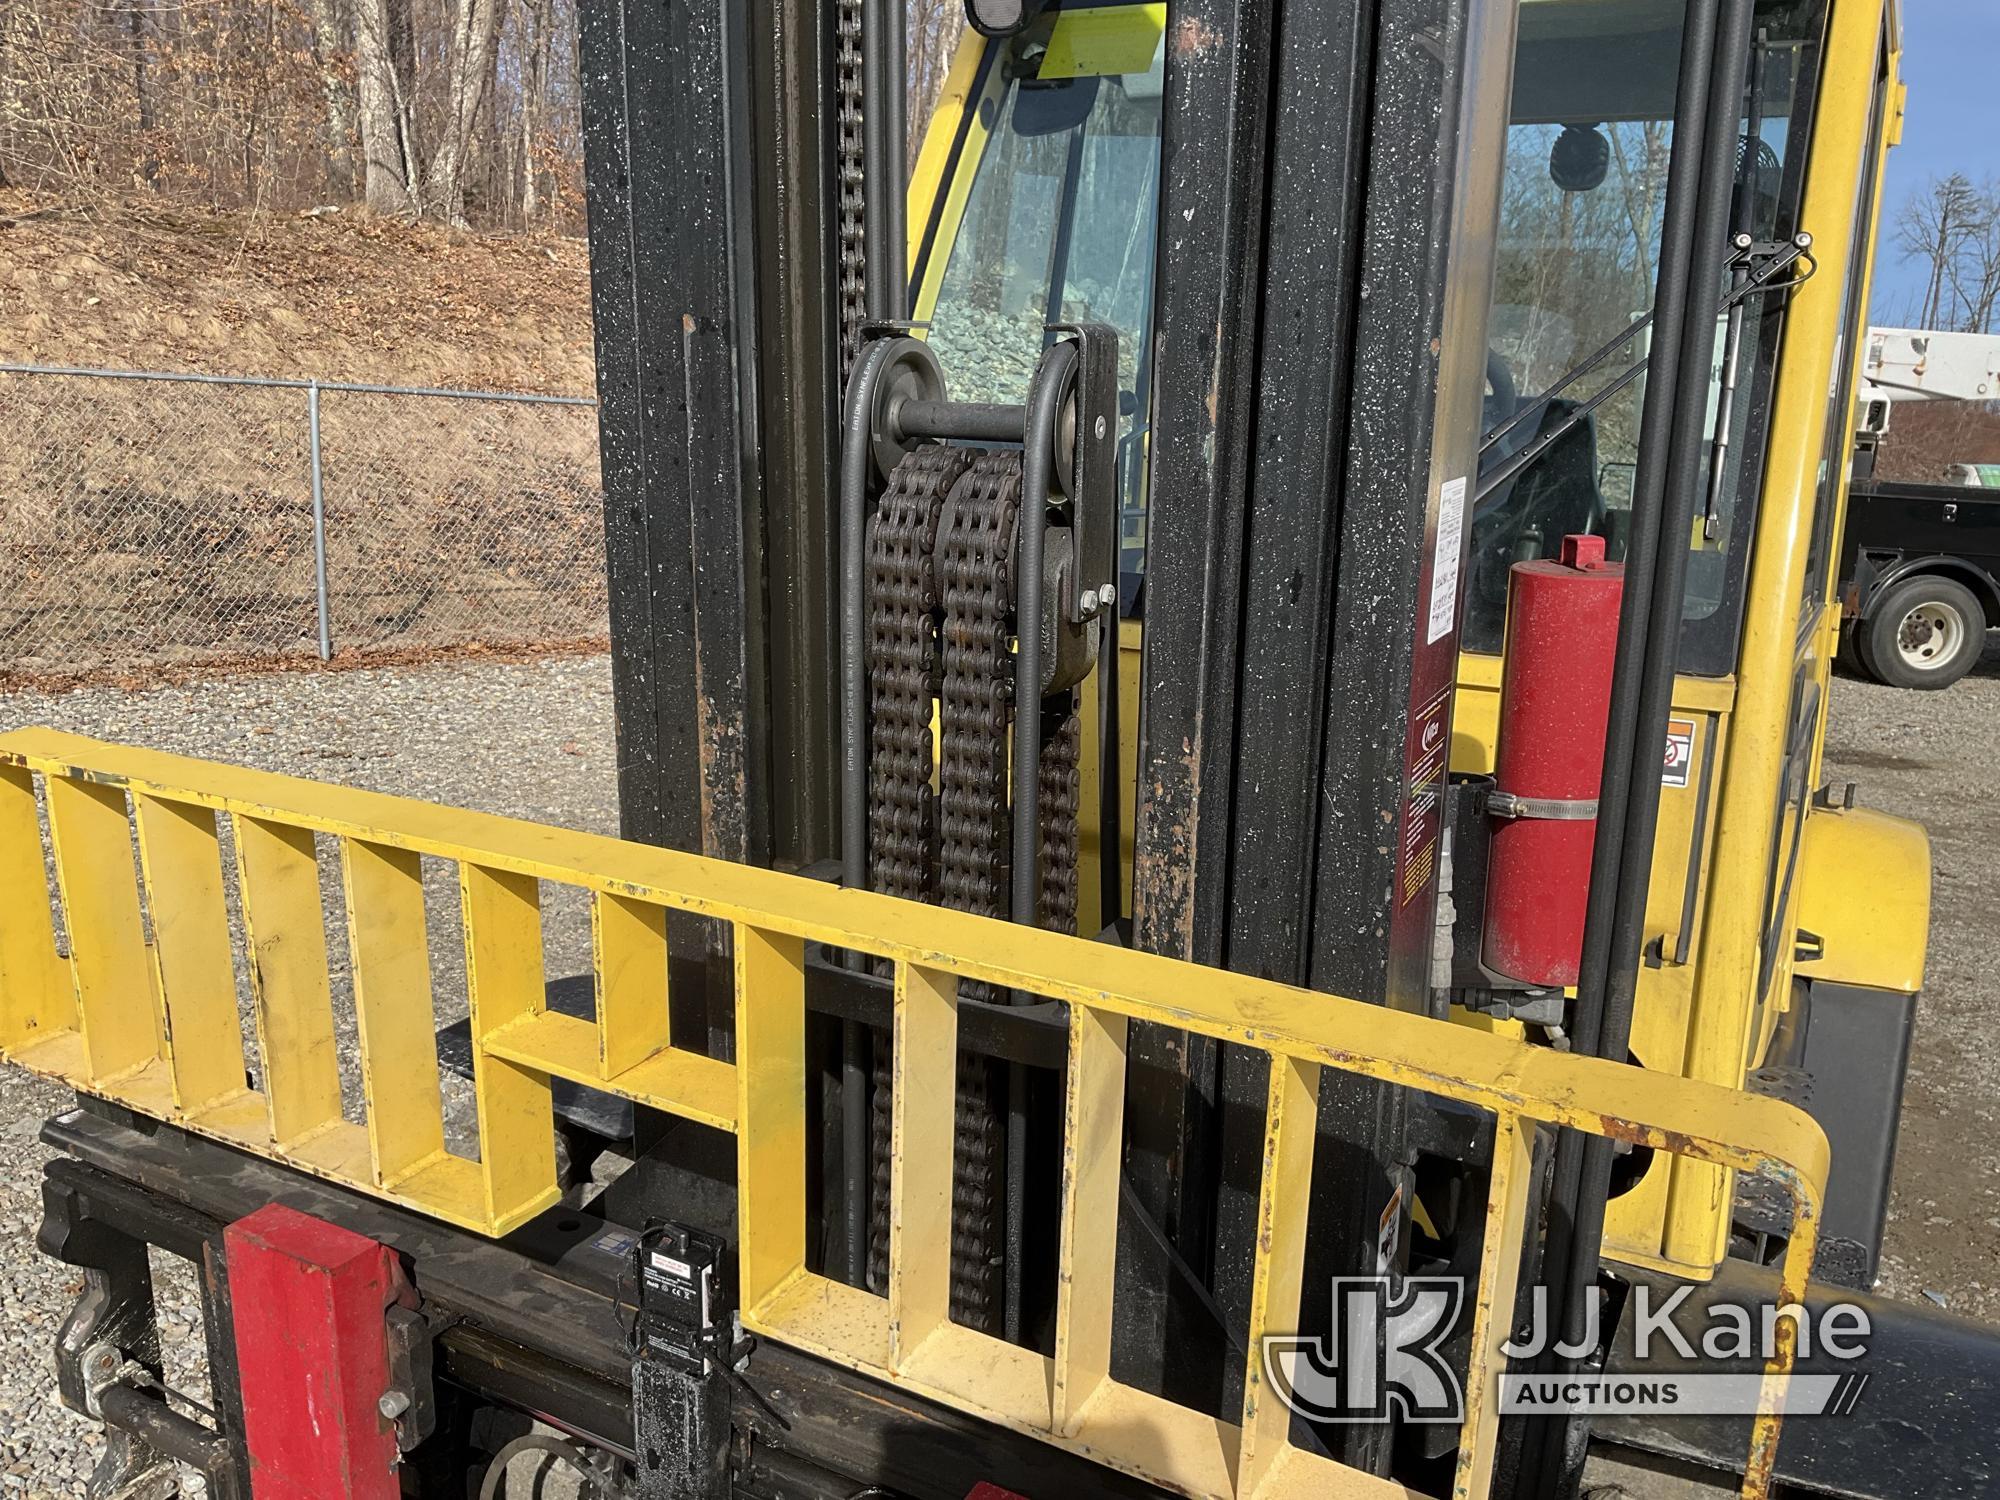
(1535, 404)
(1769, 259)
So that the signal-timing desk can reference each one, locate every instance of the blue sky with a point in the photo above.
(1950, 59)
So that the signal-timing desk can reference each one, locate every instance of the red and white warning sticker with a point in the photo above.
(1680, 752)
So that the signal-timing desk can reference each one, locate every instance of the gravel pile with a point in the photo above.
(989, 354)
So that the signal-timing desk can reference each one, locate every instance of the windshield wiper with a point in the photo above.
(1754, 265)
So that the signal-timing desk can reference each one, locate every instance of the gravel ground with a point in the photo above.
(1932, 757)
(535, 739)
(530, 739)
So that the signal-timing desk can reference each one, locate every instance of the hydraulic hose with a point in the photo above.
(856, 454)
(1700, 177)
(1684, 489)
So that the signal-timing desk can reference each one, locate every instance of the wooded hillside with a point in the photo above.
(455, 110)
(465, 112)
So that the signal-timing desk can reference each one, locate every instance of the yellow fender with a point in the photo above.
(1865, 893)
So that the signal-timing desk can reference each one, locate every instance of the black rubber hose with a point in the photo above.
(1053, 379)
(896, 148)
(881, 179)
(1684, 486)
(1569, 1279)
(1110, 772)
(856, 457)
(1605, 925)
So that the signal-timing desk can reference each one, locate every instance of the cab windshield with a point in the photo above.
(1059, 224)
(1061, 215)
(1584, 191)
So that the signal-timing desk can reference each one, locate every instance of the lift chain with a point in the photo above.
(975, 569)
(851, 211)
(903, 672)
(976, 580)
(1062, 748)
(903, 676)
(932, 552)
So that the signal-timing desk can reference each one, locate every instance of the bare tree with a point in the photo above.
(135, 27)
(1936, 226)
(536, 49)
(934, 28)
(383, 58)
(14, 32)
(329, 51)
(1974, 271)
(475, 29)
(450, 109)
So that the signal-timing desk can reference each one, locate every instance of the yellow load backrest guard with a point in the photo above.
(153, 1023)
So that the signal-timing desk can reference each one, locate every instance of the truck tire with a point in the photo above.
(1925, 632)
(1853, 653)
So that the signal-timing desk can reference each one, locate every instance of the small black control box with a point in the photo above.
(683, 1311)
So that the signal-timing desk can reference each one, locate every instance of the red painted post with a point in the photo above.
(309, 1300)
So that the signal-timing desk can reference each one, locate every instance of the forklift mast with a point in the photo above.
(1311, 504)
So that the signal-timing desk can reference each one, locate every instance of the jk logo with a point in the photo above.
(1381, 1359)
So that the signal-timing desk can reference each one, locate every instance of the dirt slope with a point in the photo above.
(339, 296)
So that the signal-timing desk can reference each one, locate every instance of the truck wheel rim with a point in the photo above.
(1930, 636)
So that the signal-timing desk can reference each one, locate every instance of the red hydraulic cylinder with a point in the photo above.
(1555, 701)
(309, 1301)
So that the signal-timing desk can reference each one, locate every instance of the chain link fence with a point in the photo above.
(151, 520)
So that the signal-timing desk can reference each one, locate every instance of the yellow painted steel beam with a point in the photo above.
(37, 997)
(1093, 1157)
(1507, 1215)
(278, 886)
(1485, 1070)
(181, 857)
(504, 983)
(1283, 1199)
(390, 949)
(923, 1112)
(771, 1111)
(117, 1008)
(629, 946)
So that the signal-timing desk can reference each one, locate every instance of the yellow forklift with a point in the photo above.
(1225, 887)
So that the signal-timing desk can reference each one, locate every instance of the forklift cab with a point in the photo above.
(1036, 199)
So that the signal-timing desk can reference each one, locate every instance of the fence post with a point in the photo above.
(319, 526)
